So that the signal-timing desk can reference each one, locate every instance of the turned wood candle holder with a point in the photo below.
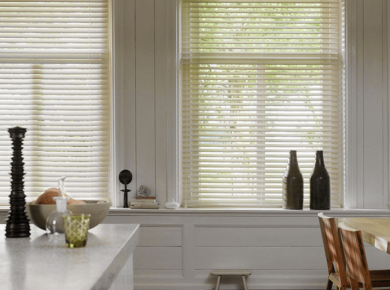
(17, 223)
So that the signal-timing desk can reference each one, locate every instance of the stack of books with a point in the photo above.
(146, 203)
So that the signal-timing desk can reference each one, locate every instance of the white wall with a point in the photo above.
(367, 148)
(179, 249)
(283, 249)
(146, 69)
(145, 94)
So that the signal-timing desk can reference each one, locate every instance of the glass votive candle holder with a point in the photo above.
(76, 229)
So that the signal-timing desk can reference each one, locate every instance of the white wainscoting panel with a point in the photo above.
(367, 101)
(145, 93)
(252, 237)
(161, 93)
(162, 236)
(145, 81)
(157, 258)
(179, 248)
(124, 92)
(259, 258)
(373, 104)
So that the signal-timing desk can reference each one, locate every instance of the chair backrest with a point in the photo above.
(333, 247)
(355, 256)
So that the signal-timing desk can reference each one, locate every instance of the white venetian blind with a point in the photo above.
(259, 78)
(54, 81)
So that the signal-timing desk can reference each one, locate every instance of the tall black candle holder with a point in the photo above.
(17, 222)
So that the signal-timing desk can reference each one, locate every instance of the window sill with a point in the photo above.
(267, 212)
(115, 211)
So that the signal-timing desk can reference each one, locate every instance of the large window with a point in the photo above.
(259, 78)
(54, 81)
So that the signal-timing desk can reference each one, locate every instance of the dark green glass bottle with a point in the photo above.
(320, 185)
(292, 184)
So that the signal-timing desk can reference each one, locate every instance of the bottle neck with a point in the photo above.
(320, 159)
(293, 161)
(61, 203)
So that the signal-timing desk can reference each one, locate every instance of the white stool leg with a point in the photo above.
(244, 281)
(218, 282)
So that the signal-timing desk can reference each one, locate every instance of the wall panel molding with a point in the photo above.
(279, 258)
(145, 94)
(373, 104)
(145, 89)
(367, 106)
(161, 94)
(124, 149)
(385, 103)
(387, 75)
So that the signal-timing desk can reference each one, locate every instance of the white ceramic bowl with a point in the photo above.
(98, 210)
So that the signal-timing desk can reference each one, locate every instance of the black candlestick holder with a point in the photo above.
(125, 177)
(17, 222)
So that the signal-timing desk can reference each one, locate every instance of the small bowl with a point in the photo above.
(98, 209)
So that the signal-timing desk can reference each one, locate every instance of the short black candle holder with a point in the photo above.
(125, 177)
(17, 222)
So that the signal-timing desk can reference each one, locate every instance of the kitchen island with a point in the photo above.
(44, 262)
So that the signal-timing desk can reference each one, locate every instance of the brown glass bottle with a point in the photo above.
(292, 184)
(320, 185)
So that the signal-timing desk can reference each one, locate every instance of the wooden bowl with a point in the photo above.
(98, 210)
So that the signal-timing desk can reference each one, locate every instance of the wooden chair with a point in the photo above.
(356, 260)
(335, 257)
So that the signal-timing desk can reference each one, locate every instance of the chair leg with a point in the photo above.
(329, 285)
(367, 287)
(244, 281)
(218, 282)
(354, 285)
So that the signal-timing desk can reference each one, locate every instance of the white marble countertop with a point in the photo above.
(41, 262)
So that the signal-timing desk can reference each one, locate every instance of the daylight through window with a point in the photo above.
(259, 78)
(54, 81)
